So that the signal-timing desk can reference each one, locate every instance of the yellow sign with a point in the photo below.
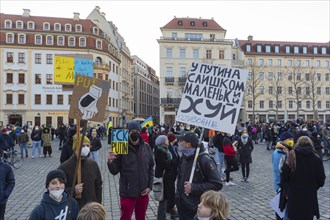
(64, 69)
(119, 147)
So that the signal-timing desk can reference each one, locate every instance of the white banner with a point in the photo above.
(212, 97)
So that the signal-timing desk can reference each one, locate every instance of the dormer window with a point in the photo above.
(68, 27)
(277, 48)
(46, 26)
(287, 49)
(78, 28)
(57, 27)
(19, 24)
(38, 39)
(248, 48)
(268, 49)
(315, 50)
(8, 24)
(192, 23)
(324, 50)
(259, 48)
(304, 49)
(30, 25)
(204, 24)
(95, 30)
(180, 23)
(296, 49)
(21, 38)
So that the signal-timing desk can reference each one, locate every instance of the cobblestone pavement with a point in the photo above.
(248, 200)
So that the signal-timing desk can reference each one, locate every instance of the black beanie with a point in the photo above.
(55, 174)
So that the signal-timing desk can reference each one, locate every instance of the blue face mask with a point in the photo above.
(186, 151)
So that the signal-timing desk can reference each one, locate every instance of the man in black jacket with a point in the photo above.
(136, 174)
(206, 176)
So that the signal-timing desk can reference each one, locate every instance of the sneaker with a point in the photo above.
(230, 183)
(246, 180)
(32, 157)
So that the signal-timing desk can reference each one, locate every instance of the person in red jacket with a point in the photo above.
(144, 134)
(230, 156)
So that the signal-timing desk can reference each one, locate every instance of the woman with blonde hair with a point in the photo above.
(92, 211)
(213, 206)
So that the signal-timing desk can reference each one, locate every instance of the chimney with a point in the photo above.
(250, 38)
(103, 14)
(76, 16)
(26, 13)
(97, 8)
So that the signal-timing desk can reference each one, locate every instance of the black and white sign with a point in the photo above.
(212, 97)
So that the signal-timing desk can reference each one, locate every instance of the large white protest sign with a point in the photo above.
(212, 97)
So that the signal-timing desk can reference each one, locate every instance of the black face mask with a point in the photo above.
(134, 136)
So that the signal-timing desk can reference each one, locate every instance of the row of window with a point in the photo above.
(297, 76)
(48, 80)
(208, 54)
(49, 39)
(112, 102)
(268, 48)
(48, 26)
(279, 90)
(290, 63)
(272, 104)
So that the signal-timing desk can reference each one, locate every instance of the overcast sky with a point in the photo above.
(139, 22)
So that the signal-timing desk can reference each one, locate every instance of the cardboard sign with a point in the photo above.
(212, 97)
(67, 66)
(119, 141)
(89, 98)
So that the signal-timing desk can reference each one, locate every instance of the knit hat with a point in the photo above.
(171, 137)
(134, 125)
(55, 174)
(190, 137)
(160, 140)
(76, 142)
(4, 130)
(285, 135)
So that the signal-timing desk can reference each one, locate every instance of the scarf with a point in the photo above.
(187, 151)
(165, 150)
(244, 138)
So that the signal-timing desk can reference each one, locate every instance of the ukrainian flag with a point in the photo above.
(148, 121)
(109, 125)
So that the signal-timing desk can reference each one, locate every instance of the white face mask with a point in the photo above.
(85, 151)
(56, 193)
(203, 218)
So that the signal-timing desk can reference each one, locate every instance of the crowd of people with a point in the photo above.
(195, 163)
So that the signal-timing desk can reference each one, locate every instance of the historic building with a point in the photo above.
(287, 80)
(183, 41)
(146, 87)
(28, 46)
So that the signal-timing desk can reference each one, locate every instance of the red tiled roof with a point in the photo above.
(186, 24)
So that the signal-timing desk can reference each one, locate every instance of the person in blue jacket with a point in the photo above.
(7, 183)
(56, 203)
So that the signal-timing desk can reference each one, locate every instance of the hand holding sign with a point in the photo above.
(111, 157)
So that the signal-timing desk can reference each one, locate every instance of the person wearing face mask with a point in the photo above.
(36, 141)
(90, 187)
(136, 170)
(56, 202)
(206, 176)
(213, 206)
(6, 142)
(245, 148)
(279, 156)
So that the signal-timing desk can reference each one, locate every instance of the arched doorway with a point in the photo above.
(15, 118)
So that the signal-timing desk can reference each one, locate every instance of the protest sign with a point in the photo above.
(89, 98)
(67, 66)
(119, 141)
(212, 97)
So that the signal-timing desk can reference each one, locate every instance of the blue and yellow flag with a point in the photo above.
(148, 121)
(109, 125)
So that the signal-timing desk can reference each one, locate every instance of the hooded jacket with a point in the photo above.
(278, 158)
(136, 169)
(206, 177)
(51, 209)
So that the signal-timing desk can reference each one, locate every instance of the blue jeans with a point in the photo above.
(23, 147)
(36, 144)
(220, 160)
(94, 155)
